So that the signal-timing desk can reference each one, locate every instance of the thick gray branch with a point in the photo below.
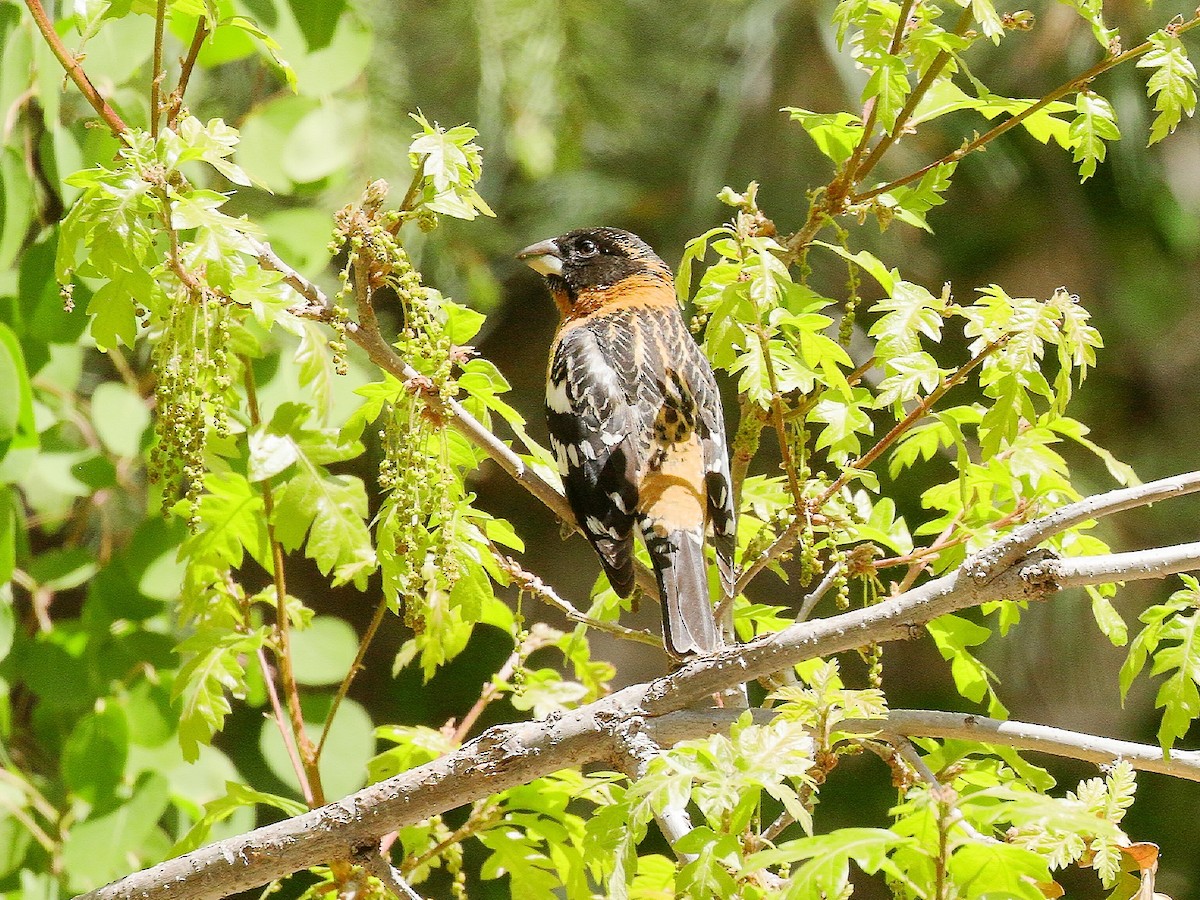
(1029, 535)
(690, 724)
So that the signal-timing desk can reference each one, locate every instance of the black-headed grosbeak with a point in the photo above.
(636, 425)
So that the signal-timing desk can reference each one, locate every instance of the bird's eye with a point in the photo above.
(587, 247)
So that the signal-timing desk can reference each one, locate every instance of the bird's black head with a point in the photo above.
(592, 259)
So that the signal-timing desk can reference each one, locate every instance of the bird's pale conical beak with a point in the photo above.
(544, 258)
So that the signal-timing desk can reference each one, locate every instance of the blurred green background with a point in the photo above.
(635, 114)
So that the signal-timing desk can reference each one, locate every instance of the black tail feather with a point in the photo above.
(689, 628)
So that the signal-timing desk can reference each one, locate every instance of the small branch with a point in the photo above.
(918, 412)
(636, 750)
(910, 104)
(1028, 536)
(281, 721)
(534, 585)
(906, 751)
(1039, 738)
(156, 73)
(689, 724)
(806, 606)
(781, 545)
(373, 861)
(1137, 565)
(355, 668)
(1068, 87)
(74, 69)
(482, 814)
(175, 104)
(491, 690)
(314, 793)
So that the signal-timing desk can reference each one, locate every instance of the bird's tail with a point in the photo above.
(689, 627)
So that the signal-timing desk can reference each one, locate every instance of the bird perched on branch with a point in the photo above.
(636, 426)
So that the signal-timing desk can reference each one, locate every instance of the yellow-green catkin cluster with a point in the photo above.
(193, 383)
(422, 483)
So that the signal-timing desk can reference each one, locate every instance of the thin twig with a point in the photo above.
(635, 751)
(806, 606)
(534, 585)
(281, 721)
(156, 72)
(355, 668)
(785, 452)
(910, 104)
(906, 751)
(1068, 87)
(175, 104)
(373, 860)
(483, 814)
(918, 412)
(315, 794)
(73, 69)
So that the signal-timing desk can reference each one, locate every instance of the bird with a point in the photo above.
(635, 423)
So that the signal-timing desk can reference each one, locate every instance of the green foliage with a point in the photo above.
(1171, 638)
(1172, 84)
(195, 459)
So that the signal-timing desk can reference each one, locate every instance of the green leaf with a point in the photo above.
(954, 636)
(113, 312)
(707, 872)
(1172, 85)
(998, 870)
(1095, 123)
(94, 756)
(1111, 625)
(889, 87)
(17, 428)
(234, 522)
(8, 627)
(985, 15)
(835, 134)
(237, 796)
(826, 860)
(213, 665)
(269, 44)
(1092, 12)
(450, 164)
(868, 262)
(324, 651)
(100, 849)
(1178, 696)
(331, 510)
(120, 417)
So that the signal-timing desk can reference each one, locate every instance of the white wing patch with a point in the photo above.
(595, 526)
(556, 397)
